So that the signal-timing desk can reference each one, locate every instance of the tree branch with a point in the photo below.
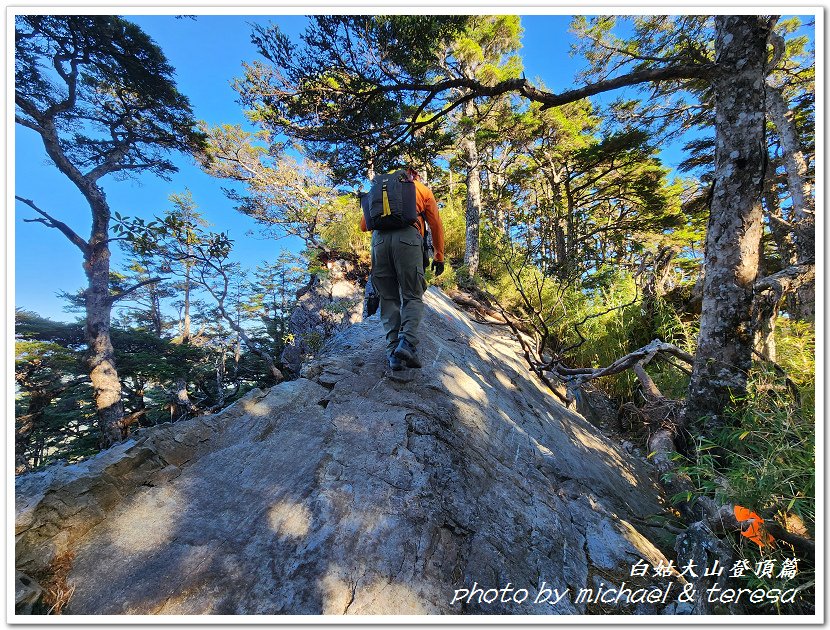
(71, 80)
(788, 279)
(549, 99)
(28, 123)
(631, 359)
(121, 295)
(50, 221)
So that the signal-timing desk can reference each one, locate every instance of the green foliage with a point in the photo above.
(272, 295)
(314, 341)
(484, 49)
(54, 408)
(146, 357)
(64, 430)
(54, 411)
(763, 458)
(450, 279)
(612, 322)
(30, 325)
(452, 217)
(769, 453)
(341, 231)
(109, 89)
(796, 353)
(286, 195)
(340, 89)
(768, 466)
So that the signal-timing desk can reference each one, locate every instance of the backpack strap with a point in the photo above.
(387, 210)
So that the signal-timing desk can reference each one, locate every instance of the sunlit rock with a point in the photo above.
(349, 492)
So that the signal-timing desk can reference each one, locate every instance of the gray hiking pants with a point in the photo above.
(398, 276)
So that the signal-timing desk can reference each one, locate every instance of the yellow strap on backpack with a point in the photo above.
(386, 209)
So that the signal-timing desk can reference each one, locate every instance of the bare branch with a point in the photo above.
(28, 123)
(722, 518)
(630, 360)
(787, 280)
(574, 346)
(650, 388)
(121, 295)
(549, 99)
(50, 221)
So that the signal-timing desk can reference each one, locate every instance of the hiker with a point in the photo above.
(395, 211)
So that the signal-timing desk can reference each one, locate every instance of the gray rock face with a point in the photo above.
(328, 304)
(347, 492)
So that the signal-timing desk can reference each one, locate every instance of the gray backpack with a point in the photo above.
(390, 204)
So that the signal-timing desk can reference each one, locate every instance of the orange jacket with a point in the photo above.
(427, 206)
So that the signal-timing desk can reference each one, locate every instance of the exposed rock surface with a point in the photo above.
(329, 303)
(346, 491)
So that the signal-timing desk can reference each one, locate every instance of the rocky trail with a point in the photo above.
(348, 491)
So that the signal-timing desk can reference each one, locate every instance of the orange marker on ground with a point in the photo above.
(755, 531)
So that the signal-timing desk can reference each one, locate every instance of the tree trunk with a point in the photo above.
(653, 282)
(100, 354)
(493, 183)
(137, 399)
(220, 380)
(155, 310)
(502, 218)
(561, 247)
(186, 319)
(472, 215)
(561, 201)
(279, 377)
(766, 305)
(803, 210)
(767, 315)
(733, 236)
(769, 292)
(183, 406)
(798, 182)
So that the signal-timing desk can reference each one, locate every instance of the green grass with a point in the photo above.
(764, 459)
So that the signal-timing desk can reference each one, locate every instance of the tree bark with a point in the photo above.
(155, 310)
(100, 358)
(370, 169)
(137, 397)
(183, 406)
(733, 236)
(279, 377)
(472, 215)
(220, 380)
(769, 294)
(766, 309)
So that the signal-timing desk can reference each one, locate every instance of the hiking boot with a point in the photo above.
(407, 352)
(395, 363)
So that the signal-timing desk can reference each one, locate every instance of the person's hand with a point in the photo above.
(438, 267)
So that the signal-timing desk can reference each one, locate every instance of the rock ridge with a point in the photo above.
(348, 491)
